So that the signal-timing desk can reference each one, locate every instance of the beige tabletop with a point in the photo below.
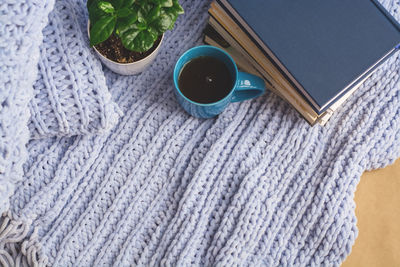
(378, 219)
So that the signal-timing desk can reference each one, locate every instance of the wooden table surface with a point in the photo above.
(378, 219)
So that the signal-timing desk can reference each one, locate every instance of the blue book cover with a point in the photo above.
(323, 47)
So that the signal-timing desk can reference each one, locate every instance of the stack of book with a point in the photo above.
(312, 53)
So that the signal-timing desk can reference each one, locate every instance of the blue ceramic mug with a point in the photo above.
(245, 85)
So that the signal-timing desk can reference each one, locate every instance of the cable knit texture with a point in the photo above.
(21, 24)
(255, 186)
(70, 94)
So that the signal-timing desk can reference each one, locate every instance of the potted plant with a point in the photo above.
(127, 34)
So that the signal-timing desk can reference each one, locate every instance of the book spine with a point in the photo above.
(387, 15)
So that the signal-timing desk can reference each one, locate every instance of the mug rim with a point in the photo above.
(176, 74)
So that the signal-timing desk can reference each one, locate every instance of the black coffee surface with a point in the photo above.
(205, 80)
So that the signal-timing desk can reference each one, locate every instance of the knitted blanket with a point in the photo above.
(20, 36)
(255, 186)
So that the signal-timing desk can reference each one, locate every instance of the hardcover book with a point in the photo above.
(322, 50)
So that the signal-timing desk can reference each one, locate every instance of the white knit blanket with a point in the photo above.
(255, 186)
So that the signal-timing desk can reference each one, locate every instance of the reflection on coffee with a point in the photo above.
(205, 80)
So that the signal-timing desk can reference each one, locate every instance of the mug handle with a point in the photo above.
(247, 86)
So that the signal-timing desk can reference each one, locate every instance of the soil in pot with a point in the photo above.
(113, 49)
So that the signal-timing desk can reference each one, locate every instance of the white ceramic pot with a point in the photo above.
(128, 68)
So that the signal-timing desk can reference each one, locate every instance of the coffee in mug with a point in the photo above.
(205, 80)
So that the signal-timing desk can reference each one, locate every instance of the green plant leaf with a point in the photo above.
(141, 15)
(117, 3)
(107, 7)
(153, 31)
(128, 3)
(125, 12)
(137, 22)
(166, 3)
(171, 26)
(122, 3)
(128, 37)
(126, 23)
(89, 3)
(141, 25)
(163, 3)
(95, 13)
(174, 12)
(144, 3)
(163, 22)
(153, 14)
(178, 9)
(144, 41)
(144, 10)
(102, 29)
(139, 41)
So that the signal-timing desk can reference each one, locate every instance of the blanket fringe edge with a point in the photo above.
(17, 246)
